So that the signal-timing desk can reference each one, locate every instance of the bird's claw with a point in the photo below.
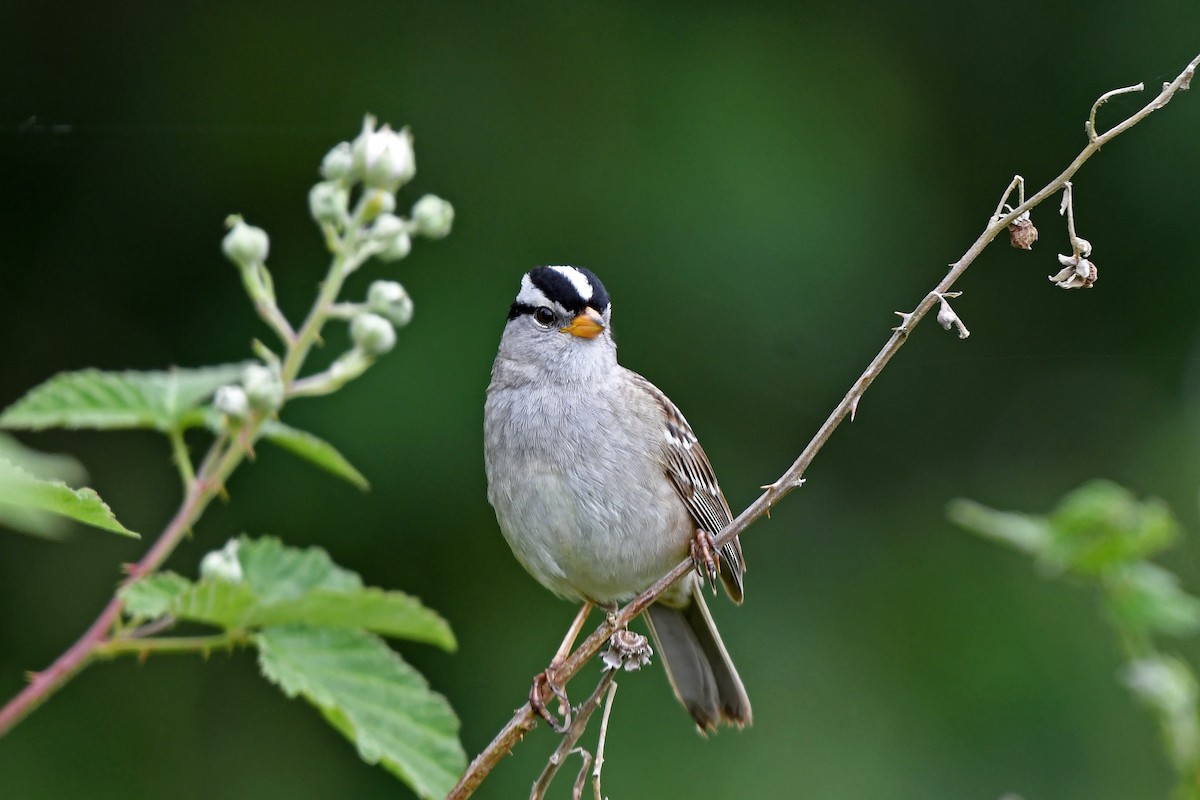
(704, 557)
(542, 682)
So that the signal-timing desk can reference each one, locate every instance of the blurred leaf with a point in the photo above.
(107, 400)
(1021, 531)
(151, 596)
(373, 697)
(1147, 597)
(1101, 525)
(48, 466)
(1168, 686)
(1095, 529)
(313, 449)
(28, 500)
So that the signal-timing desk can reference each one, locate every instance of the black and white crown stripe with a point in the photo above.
(568, 290)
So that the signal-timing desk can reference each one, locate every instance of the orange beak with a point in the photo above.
(588, 325)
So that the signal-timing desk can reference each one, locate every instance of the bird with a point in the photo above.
(600, 486)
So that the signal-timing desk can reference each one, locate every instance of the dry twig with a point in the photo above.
(524, 719)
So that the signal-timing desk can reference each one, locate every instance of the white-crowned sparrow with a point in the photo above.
(599, 484)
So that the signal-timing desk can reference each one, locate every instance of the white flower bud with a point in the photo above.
(263, 387)
(327, 202)
(373, 334)
(245, 245)
(384, 157)
(338, 162)
(391, 233)
(376, 202)
(223, 564)
(232, 401)
(389, 300)
(432, 216)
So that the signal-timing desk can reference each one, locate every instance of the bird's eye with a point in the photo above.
(543, 315)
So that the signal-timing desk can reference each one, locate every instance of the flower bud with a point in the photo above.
(376, 202)
(384, 157)
(263, 387)
(389, 300)
(391, 233)
(223, 564)
(232, 402)
(327, 202)
(245, 245)
(338, 162)
(432, 216)
(373, 334)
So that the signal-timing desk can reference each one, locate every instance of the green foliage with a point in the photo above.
(1095, 529)
(283, 585)
(366, 691)
(90, 398)
(315, 626)
(1102, 534)
(315, 450)
(30, 504)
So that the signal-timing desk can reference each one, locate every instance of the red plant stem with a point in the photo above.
(45, 683)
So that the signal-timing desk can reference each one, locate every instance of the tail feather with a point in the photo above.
(697, 664)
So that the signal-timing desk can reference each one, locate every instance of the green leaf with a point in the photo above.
(282, 585)
(107, 400)
(1168, 686)
(1098, 528)
(1147, 597)
(388, 613)
(277, 573)
(1101, 526)
(151, 596)
(373, 697)
(215, 602)
(48, 466)
(1020, 531)
(28, 500)
(313, 449)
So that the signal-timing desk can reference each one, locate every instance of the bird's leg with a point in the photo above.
(544, 680)
(704, 557)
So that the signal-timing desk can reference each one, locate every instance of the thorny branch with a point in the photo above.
(524, 719)
(566, 745)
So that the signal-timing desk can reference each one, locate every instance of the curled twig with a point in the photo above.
(571, 736)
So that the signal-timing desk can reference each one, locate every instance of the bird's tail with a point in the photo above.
(699, 668)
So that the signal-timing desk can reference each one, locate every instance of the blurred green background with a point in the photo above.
(760, 187)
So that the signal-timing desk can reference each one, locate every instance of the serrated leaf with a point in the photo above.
(315, 450)
(32, 498)
(151, 596)
(106, 400)
(276, 572)
(373, 697)
(215, 602)
(388, 613)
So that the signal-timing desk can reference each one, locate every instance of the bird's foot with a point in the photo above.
(543, 687)
(704, 557)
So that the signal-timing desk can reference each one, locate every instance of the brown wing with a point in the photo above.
(692, 475)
